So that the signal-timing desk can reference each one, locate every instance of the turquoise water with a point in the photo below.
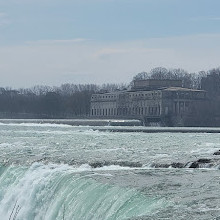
(57, 191)
(65, 172)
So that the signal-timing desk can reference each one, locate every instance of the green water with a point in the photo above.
(58, 191)
(52, 172)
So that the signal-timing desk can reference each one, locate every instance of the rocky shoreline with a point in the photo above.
(200, 163)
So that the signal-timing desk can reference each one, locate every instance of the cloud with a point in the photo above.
(80, 61)
(4, 19)
(2, 14)
(106, 53)
(48, 42)
(205, 19)
(214, 19)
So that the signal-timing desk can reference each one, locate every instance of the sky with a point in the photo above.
(51, 42)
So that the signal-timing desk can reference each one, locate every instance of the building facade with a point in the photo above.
(211, 83)
(150, 103)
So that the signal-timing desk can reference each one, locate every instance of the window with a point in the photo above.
(155, 111)
(145, 110)
(175, 108)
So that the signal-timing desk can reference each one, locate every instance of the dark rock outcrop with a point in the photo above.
(217, 152)
(177, 165)
(159, 165)
(194, 165)
(204, 160)
(199, 162)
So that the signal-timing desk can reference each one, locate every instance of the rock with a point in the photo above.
(97, 164)
(194, 165)
(217, 152)
(177, 165)
(158, 165)
(204, 160)
(128, 164)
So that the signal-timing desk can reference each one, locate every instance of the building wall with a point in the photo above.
(211, 84)
(155, 83)
(104, 104)
(181, 102)
(170, 103)
(127, 104)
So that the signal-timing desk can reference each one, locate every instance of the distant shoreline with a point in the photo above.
(163, 130)
(76, 122)
(113, 125)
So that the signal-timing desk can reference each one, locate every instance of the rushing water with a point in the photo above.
(50, 172)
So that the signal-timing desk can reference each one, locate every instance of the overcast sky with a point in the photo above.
(50, 42)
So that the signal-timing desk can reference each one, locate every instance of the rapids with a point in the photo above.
(50, 172)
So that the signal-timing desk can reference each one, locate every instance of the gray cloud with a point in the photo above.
(4, 20)
(77, 61)
(205, 18)
(47, 42)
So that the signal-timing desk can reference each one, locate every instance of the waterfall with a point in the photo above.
(53, 192)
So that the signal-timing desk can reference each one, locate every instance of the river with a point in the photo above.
(56, 172)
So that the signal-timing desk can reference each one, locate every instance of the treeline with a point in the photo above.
(72, 100)
(66, 101)
(189, 80)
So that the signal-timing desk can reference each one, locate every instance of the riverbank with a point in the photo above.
(163, 129)
(112, 125)
(75, 122)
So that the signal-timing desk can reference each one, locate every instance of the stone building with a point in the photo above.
(211, 83)
(163, 101)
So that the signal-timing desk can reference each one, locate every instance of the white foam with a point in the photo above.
(36, 187)
(87, 167)
(35, 124)
(205, 150)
